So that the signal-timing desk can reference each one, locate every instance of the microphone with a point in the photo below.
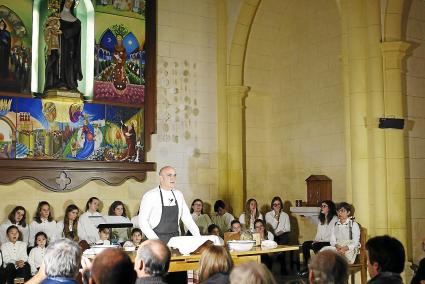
(171, 200)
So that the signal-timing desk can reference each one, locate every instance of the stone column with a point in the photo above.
(393, 54)
(236, 147)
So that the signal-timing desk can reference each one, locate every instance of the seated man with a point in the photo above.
(328, 267)
(152, 262)
(385, 260)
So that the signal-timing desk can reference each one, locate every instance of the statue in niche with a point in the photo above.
(5, 46)
(63, 60)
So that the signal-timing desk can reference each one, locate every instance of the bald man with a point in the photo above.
(162, 208)
(152, 262)
(328, 267)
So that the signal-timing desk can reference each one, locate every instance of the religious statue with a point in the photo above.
(119, 76)
(5, 46)
(63, 60)
(129, 132)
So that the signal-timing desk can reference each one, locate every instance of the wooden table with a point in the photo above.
(191, 262)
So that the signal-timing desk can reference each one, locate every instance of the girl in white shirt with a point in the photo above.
(136, 239)
(278, 221)
(117, 208)
(43, 222)
(68, 227)
(327, 220)
(250, 215)
(87, 229)
(16, 217)
(15, 256)
(345, 235)
(36, 256)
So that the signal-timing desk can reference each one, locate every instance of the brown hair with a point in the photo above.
(72, 235)
(11, 216)
(251, 273)
(37, 217)
(214, 259)
(248, 212)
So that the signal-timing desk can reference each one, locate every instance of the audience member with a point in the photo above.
(36, 256)
(87, 230)
(345, 235)
(15, 256)
(152, 262)
(112, 266)
(215, 265)
(235, 226)
(385, 260)
(251, 273)
(250, 215)
(328, 267)
(136, 239)
(201, 220)
(419, 277)
(327, 219)
(61, 262)
(43, 222)
(16, 217)
(68, 227)
(222, 218)
(117, 208)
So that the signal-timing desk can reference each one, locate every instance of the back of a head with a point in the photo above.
(328, 267)
(388, 252)
(215, 259)
(155, 256)
(112, 266)
(62, 259)
(251, 273)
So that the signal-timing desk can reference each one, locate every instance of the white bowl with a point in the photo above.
(99, 248)
(240, 245)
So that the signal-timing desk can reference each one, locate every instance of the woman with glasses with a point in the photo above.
(327, 220)
(202, 220)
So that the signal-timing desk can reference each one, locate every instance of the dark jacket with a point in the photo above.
(386, 278)
(58, 280)
(218, 278)
(151, 280)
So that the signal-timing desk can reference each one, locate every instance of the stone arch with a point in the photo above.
(240, 42)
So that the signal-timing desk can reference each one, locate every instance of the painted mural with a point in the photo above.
(42, 129)
(119, 51)
(15, 49)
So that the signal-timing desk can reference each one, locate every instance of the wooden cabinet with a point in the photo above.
(319, 188)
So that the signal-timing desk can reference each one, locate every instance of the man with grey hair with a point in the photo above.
(152, 262)
(328, 267)
(61, 262)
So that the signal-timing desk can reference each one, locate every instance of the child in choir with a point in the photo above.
(136, 239)
(35, 259)
(68, 227)
(87, 229)
(201, 220)
(16, 217)
(236, 226)
(104, 235)
(43, 222)
(345, 235)
(260, 228)
(15, 256)
(222, 218)
(117, 209)
(250, 215)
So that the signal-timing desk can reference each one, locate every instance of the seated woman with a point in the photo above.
(215, 265)
(327, 220)
(15, 256)
(278, 221)
(345, 235)
(16, 217)
(87, 230)
(43, 222)
(117, 209)
(136, 239)
(68, 227)
(250, 215)
(201, 220)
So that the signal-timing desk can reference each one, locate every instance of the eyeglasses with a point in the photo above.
(276, 204)
(324, 205)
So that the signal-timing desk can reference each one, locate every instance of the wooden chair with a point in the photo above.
(361, 261)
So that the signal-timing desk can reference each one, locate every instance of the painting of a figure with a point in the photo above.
(15, 48)
(119, 60)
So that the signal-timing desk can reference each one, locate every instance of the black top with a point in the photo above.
(386, 278)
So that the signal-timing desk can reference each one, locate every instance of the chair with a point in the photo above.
(361, 261)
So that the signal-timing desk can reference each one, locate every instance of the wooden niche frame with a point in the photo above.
(63, 176)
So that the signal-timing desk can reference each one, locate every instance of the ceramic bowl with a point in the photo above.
(240, 245)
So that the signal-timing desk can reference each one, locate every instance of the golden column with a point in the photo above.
(236, 150)
(393, 54)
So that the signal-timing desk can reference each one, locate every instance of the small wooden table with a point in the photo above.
(191, 262)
